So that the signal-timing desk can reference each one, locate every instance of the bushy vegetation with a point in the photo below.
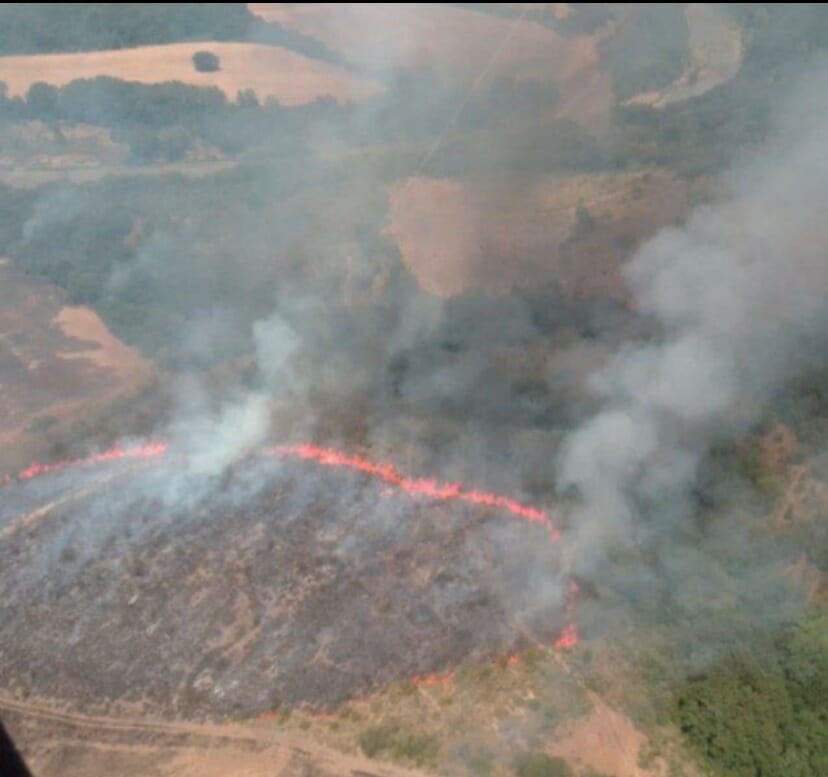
(391, 741)
(763, 713)
(165, 122)
(206, 62)
(649, 51)
(541, 765)
(27, 28)
(149, 253)
(701, 135)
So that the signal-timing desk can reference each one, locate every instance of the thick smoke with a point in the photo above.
(739, 296)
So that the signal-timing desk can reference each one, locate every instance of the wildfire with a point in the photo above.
(387, 473)
(425, 487)
(328, 457)
(149, 451)
(569, 637)
(444, 679)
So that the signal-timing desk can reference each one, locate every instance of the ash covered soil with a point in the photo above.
(278, 584)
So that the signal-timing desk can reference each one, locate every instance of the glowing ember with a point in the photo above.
(442, 680)
(568, 638)
(149, 451)
(329, 457)
(425, 487)
(571, 595)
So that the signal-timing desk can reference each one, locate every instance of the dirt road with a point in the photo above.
(71, 744)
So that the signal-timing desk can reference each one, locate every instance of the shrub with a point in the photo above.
(479, 761)
(420, 749)
(388, 739)
(206, 62)
(541, 765)
(376, 739)
(584, 220)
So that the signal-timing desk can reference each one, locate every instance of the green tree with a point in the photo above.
(206, 62)
(42, 101)
(541, 765)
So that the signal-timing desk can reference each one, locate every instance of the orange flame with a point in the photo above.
(426, 487)
(569, 637)
(150, 451)
(329, 457)
(443, 680)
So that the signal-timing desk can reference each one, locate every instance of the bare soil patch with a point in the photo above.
(605, 740)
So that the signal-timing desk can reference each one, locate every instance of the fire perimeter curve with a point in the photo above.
(428, 488)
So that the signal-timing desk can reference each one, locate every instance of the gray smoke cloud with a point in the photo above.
(215, 434)
(739, 295)
(55, 209)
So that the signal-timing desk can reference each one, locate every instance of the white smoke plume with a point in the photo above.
(739, 296)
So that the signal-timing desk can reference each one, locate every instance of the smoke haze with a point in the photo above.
(542, 322)
(738, 296)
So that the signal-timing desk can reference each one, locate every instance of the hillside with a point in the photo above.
(428, 389)
(60, 364)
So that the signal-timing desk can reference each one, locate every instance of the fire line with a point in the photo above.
(428, 488)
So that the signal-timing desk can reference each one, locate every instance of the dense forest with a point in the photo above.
(763, 712)
(53, 27)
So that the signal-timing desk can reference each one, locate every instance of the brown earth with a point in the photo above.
(803, 498)
(269, 71)
(57, 363)
(65, 744)
(604, 740)
(458, 236)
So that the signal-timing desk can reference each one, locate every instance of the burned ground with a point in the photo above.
(310, 589)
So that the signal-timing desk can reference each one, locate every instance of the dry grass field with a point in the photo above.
(269, 71)
(457, 236)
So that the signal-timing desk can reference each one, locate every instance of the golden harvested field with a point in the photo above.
(269, 71)
(458, 44)
(491, 236)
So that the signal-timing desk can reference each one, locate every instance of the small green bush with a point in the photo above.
(206, 62)
(420, 749)
(479, 762)
(378, 739)
(388, 739)
(541, 765)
